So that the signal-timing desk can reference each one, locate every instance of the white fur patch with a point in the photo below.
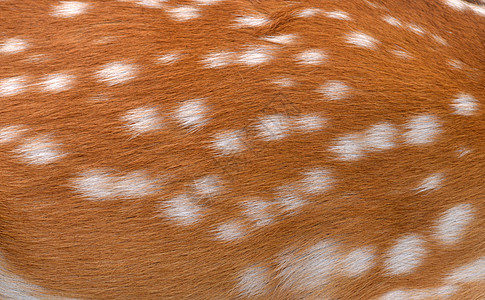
(228, 142)
(431, 182)
(471, 272)
(405, 256)
(230, 231)
(317, 181)
(335, 90)
(273, 127)
(13, 45)
(361, 40)
(359, 261)
(464, 104)
(12, 86)
(452, 224)
(181, 209)
(39, 151)
(422, 130)
(192, 113)
(142, 120)
(56, 83)
(253, 281)
(69, 9)
(184, 13)
(311, 57)
(116, 73)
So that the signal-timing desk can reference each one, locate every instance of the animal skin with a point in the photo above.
(237, 149)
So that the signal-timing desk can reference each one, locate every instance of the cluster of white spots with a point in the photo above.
(255, 56)
(422, 129)
(12, 86)
(352, 146)
(169, 58)
(230, 231)
(13, 45)
(455, 64)
(288, 199)
(116, 73)
(283, 82)
(68, 9)
(142, 120)
(420, 294)
(317, 181)
(184, 13)
(451, 226)
(283, 39)
(405, 256)
(228, 142)
(39, 150)
(181, 209)
(10, 133)
(97, 184)
(311, 57)
(392, 21)
(432, 182)
(218, 59)
(308, 123)
(338, 14)
(464, 104)
(308, 12)
(257, 211)
(251, 21)
(361, 40)
(56, 83)
(273, 127)
(334, 90)
(207, 186)
(416, 29)
(358, 261)
(471, 272)
(463, 6)
(192, 113)
(310, 269)
(253, 281)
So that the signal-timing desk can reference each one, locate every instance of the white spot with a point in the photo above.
(431, 182)
(192, 113)
(230, 231)
(420, 294)
(456, 4)
(13, 45)
(252, 282)
(338, 14)
(359, 261)
(308, 12)
(349, 147)
(380, 137)
(218, 59)
(405, 256)
(311, 57)
(168, 58)
(56, 83)
(184, 13)
(12, 86)
(462, 151)
(273, 127)
(150, 3)
(422, 130)
(116, 73)
(465, 104)
(229, 142)
(451, 226)
(255, 56)
(208, 2)
(439, 39)
(142, 120)
(311, 269)
(309, 123)
(416, 29)
(284, 82)
(251, 21)
(39, 151)
(474, 271)
(207, 186)
(455, 64)
(392, 21)
(478, 9)
(258, 212)
(182, 210)
(10, 133)
(283, 39)
(100, 185)
(362, 40)
(68, 9)
(288, 199)
(401, 54)
(317, 181)
(335, 90)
